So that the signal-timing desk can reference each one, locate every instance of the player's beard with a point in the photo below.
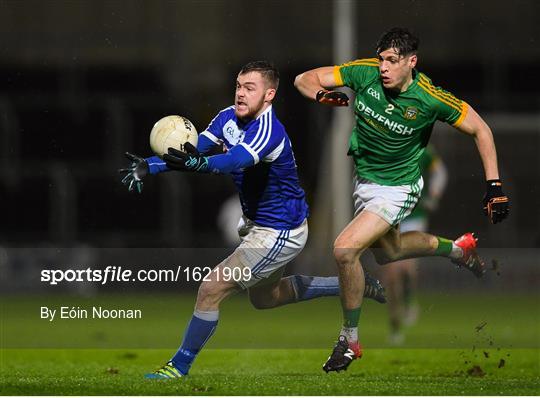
(252, 111)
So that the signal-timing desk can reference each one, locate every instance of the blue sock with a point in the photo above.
(199, 330)
(310, 287)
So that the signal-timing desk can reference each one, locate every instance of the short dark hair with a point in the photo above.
(401, 39)
(266, 69)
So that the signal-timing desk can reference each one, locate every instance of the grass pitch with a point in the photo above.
(270, 372)
(463, 345)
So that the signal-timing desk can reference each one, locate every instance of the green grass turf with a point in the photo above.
(270, 372)
(278, 351)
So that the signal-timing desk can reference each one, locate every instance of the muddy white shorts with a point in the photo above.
(265, 250)
(392, 203)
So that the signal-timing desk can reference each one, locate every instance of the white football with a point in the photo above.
(172, 131)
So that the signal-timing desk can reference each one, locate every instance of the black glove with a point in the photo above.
(135, 173)
(214, 150)
(186, 161)
(334, 98)
(190, 149)
(496, 204)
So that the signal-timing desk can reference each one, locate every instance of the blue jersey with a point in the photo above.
(261, 161)
(264, 169)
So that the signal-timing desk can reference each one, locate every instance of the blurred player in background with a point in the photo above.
(230, 213)
(401, 279)
(273, 228)
(395, 110)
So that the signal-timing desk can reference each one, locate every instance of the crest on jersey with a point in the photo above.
(410, 113)
(232, 133)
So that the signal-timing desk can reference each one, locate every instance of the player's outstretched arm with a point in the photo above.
(318, 84)
(496, 203)
(191, 160)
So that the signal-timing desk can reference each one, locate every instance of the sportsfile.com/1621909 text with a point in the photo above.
(121, 274)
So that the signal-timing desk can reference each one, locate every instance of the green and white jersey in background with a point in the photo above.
(392, 129)
(426, 161)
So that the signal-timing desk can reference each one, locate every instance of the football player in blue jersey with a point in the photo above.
(273, 229)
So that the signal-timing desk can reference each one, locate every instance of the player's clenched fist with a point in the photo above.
(496, 203)
(334, 98)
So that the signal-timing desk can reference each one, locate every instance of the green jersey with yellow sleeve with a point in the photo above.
(392, 129)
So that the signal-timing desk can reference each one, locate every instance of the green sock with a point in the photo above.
(351, 317)
(444, 248)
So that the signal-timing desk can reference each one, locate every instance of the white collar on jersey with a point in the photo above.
(267, 110)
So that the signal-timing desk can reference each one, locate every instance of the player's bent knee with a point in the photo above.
(264, 301)
(262, 304)
(345, 256)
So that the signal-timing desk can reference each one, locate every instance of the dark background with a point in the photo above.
(84, 81)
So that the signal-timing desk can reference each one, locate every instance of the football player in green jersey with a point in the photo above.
(395, 109)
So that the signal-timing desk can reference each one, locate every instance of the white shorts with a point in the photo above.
(392, 203)
(265, 250)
